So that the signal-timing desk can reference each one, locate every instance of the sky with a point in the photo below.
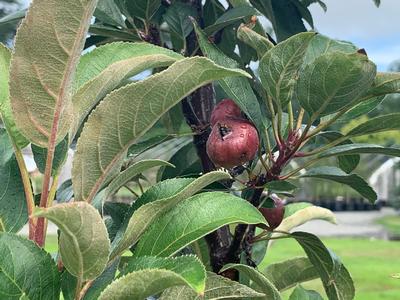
(377, 30)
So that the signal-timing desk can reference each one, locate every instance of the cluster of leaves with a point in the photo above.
(57, 99)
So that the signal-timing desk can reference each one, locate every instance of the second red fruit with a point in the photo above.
(225, 109)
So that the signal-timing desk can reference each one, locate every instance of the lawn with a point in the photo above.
(370, 262)
(392, 224)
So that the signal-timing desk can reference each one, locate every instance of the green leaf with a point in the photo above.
(306, 214)
(153, 275)
(143, 9)
(189, 267)
(217, 287)
(291, 208)
(231, 16)
(377, 124)
(352, 180)
(108, 12)
(321, 44)
(13, 17)
(280, 66)
(113, 33)
(169, 196)
(193, 218)
(280, 186)
(279, 12)
(5, 106)
(332, 81)
(106, 67)
(60, 155)
(360, 109)
(346, 162)
(299, 293)
(177, 18)
(68, 285)
(26, 271)
(288, 273)
(110, 130)
(186, 162)
(349, 149)
(133, 170)
(384, 83)
(236, 88)
(40, 81)
(13, 208)
(258, 42)
(260, 281)
(334, 275)
(212, 10)
(101, 282)
(147, 144)
(83, 243)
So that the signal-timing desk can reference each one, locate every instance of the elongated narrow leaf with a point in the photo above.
(253, 39)
(168, 197)
(103, 69)
(237, 88)
(334, 80)
(143, 9)
(13, 17)
(130, 172)
(280, 65)
(43, 66)
(231, 16)
(288, 273)
(13, 207)
(192, 219)
(384, 83)
(360, 109)
(280, 186)
(126, 114)
(189, 267)
(260, 281)
(359, 149)
(84, 243)
(217, 287)
(300, 293)
(321, 44)
(26, 271)
(352, 180)
(5, 106)
(334, 275)
(307, 214)
(377, 124)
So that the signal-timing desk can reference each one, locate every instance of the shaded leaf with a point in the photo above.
(13, 207)
(280, 186)
(110, 130)
(352, 180)
(349, 149)
(334, 275)
(300, 293)
(5, 106)
(258, 42)
(193, 218)
(212, 10)
(64, 192)
(217, 287)
(144, 9)
(83, 243)
(288, 273)
(108, 12)
(236, 88)
(133, 170)
(98, 30)
(332, 81)
(13, 17)
(26, 271)
(231, 16)
(280, 65)
(143, 215)
(47, 75)
(260, 281)
(60, 155)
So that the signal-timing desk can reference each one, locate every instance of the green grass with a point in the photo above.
(391, 224)
(372, 263)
